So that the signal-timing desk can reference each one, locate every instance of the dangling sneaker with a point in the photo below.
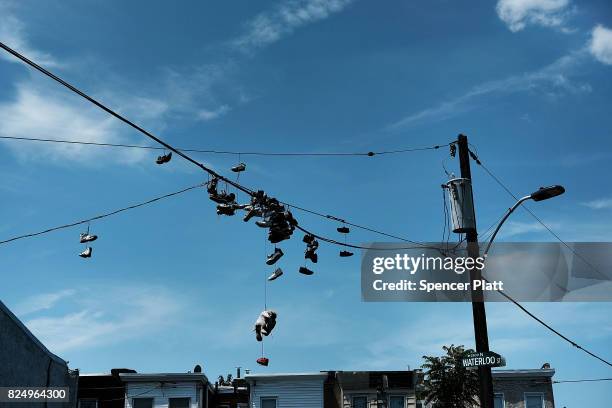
(251, 212)
(308, 238)
(278, 253)
(239, 167)
(212, 186)
(225, 209)
(310, 254)
(343, 230)
(86, 253)
(305, 270)
(344, 254)
(278, 272)
(87, 238)
(160, 160)
(168, 157)
(263, 361)
(263, 223)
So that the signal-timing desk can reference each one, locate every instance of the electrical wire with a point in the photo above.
(543, 323)
(97, 217)
(186, 157)
(122, 118)
(538, 219)
(228, 152)
(580, 381)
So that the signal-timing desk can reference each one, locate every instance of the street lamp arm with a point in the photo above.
(510, 211)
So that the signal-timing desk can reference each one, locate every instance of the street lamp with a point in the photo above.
(544, 193)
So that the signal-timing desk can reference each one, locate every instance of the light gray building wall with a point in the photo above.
(26, 362)
(299, 390)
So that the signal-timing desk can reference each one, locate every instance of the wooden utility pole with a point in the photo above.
(478, 307)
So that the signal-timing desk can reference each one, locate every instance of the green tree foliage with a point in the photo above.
(447, 384)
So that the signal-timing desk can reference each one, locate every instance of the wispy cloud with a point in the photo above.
(553, 80)
(600, 45)
(517, 14)
(270, 26)
(13, 34)
(205, 114)
(600, 204)
(37, 111)
(41, 302)
(133, 313)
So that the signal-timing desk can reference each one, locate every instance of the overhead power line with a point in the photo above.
(97, 217)
(581, 381)
(538, 219)
(550, 328)
(226, 152)
(122, 118)
(177, 151)
(523, 308)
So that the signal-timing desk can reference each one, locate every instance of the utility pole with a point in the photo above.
(478, 307)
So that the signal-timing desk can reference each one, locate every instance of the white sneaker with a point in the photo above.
(86, 253)
(278, 272)
(239, 167)
(88, 238)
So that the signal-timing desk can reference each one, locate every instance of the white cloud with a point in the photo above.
(12, 33)
(205, 114)
(519, 13)
(133, 313)
(44, 113)
(552, 81)
(600, 204)
(601, 44)
(41, 302)
(269, 27)
(513, 228)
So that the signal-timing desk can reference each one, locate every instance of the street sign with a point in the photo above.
(483, 359)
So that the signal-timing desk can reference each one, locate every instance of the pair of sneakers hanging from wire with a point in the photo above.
(344, 230)
(265, 323)
(85, 238)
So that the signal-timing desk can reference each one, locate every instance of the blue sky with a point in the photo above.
(171, 285)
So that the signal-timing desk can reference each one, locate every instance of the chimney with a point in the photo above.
(238, 372)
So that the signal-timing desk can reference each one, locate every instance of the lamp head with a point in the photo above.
(544, 193)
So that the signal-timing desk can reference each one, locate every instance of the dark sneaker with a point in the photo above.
(212, 186)
(305, 270)
(278, 253)
(239, 167)
(308, 238)
(164, 158)
(252, 212)
(263, 361)
(276, 237)
(86, 253)
(223, 198)
(88, 238)
(278, 272)
(312, 256)
(263, 223)
(226, 209)
(343, 230)
(344, 254)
